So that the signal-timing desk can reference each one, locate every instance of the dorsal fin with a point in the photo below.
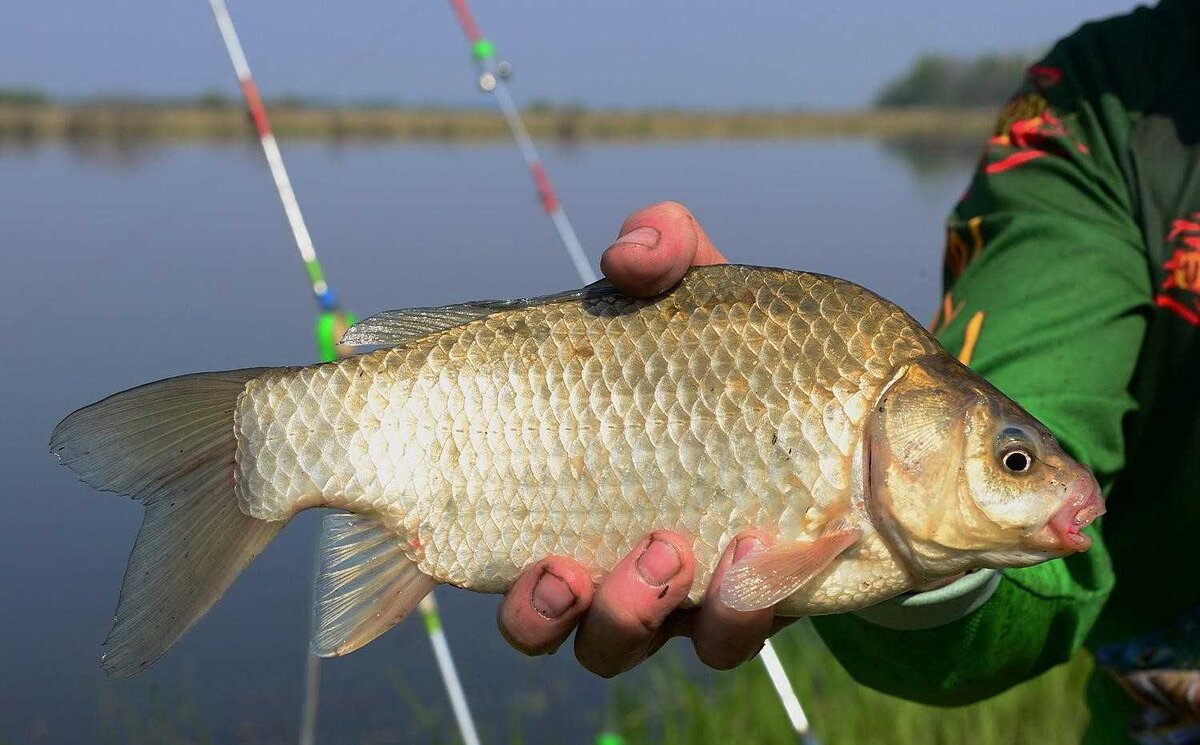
(395, 327)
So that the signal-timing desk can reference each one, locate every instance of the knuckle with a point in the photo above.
(649, 624)
(630, 622)
(637, 620)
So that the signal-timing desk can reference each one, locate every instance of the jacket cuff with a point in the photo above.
(915, 611)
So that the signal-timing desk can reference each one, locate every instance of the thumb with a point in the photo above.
(656, 246)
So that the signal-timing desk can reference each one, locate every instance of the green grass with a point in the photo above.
(674, 706)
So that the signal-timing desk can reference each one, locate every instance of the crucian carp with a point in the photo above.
(478, 438)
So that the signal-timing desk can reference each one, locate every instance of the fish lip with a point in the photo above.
(1063, 531)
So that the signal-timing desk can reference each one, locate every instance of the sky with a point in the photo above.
(703, 53)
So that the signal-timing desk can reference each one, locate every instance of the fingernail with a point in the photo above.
(552, 597)
(659, 563)
(745, 546)
(644, 236)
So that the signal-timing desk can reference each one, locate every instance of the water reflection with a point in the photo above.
(127, 145)
(928, 157)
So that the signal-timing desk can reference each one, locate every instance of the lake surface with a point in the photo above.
(125, 266)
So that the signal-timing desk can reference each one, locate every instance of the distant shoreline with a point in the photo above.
(168, 122)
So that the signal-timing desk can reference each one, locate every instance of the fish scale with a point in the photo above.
(575, 428)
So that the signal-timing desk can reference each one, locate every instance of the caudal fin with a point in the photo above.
(171, 445)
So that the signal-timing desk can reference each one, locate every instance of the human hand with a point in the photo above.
(635, 608)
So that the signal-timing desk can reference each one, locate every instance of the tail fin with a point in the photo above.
(171, 445)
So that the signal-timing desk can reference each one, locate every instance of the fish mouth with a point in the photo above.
(1063, 532)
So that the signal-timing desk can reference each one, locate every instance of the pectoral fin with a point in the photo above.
(767, 576)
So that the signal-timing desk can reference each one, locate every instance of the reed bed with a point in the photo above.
(142, 121)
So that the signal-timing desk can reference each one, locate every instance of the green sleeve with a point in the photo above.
(1044, 246)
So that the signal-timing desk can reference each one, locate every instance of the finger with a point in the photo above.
(656, 246)
(725, 638)
(633, 601)
(544, 605)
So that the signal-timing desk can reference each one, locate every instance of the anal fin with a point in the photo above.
(365, 584)
(767, 576)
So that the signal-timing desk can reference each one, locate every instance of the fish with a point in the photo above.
(475, 439)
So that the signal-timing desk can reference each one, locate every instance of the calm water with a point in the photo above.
(121, 268)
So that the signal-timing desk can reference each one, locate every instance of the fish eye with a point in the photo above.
(1016, 449)
(1017, 460)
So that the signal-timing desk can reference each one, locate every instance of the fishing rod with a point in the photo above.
(787, 695)
(283, 185)
(492, 79)
(331, 324)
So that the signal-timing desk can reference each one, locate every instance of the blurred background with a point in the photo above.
(142, 237)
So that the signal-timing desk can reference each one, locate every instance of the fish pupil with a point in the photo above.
(1017, 461)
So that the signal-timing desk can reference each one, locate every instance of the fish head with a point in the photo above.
(961, 477)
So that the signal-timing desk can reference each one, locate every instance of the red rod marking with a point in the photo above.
(466, 20)
(255, 104)
(545, 190)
